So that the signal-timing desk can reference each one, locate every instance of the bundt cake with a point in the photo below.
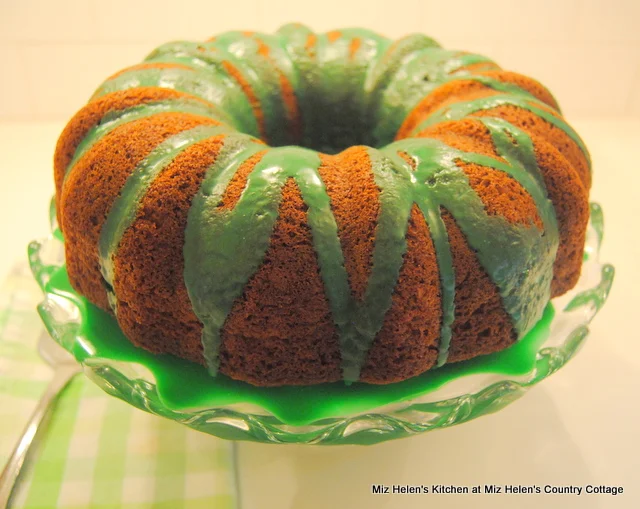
(224, 202)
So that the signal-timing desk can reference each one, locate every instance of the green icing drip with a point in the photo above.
(447, 274)
(438, 232)
(256, 69)
(394, 182)
(294, 39)
(116, 118)
(495, 84)
(435, 187)
(518, 258)
(219, 263)
(516, 147)
(226, 260)
(259, 70)
(383, 70)
(339, 76)
(463, 109)
(203, 250)
(124, 208)
(420, 74)
(211, 87)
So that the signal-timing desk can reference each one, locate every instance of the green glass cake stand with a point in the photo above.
(321, 414)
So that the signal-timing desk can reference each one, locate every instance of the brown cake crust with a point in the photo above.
(355, 203)
(281, 330)
(154, 309)
(91, 114)
(407, 344)
(481, 325)
(83, 211)
(568, 195)
(468, 89)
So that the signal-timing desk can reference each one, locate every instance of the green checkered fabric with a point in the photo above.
(97, 451)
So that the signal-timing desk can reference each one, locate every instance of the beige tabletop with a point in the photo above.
(579, 427)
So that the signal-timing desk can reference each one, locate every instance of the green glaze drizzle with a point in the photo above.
(394, 182)
(384, 69)
(201, 245)
(409, 81)
(263, 72)
(447, 274)
(434, 188)
(124, 208)
(257, 70)
(438, 232)
(227, 260)
(360, 322)
(518, 258)
(208, 86)
(116, 118)
(463, 109)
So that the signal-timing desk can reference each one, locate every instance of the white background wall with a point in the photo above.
(55, 53)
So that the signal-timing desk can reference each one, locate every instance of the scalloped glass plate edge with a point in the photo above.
(459, 401)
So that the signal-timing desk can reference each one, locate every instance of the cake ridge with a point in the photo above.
(189, 81)
(462, 109)
(400, 97)
(236, 148)
(268, 105)
(270, 61)
(114, 119)
(262, 195)
(123, 209)
(436, 169)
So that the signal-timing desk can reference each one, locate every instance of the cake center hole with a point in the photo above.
(330, 127)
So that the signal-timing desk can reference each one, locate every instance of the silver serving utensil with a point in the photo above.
(65, 368)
